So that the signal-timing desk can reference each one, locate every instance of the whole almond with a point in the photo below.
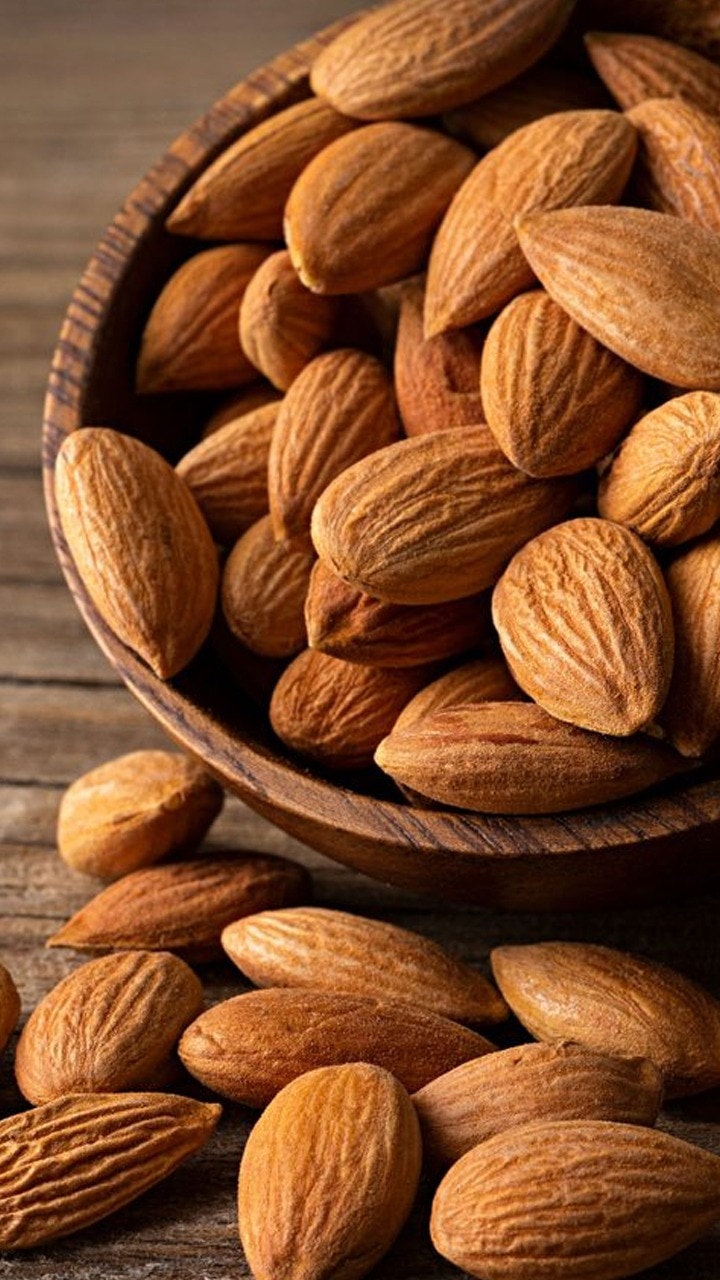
(344, 1137)
(691, 714)
(542, 90)
(190, 341)
(436, 379)
(249, 1047)
(615, 1003)
(73, 1161)
(336, 951)
(9, 1006)
(568, 1198)
(380, 525)
(635, 279)
(264, 584)
(282, 324)
(672, 133)
(363, 213)
(637, 67)
(601, 660)
(135, 810)
(109, 1026)
(183, 906)
(139, 543)
(413, 58)
(476, 264)
(482, 680)
(227, 472)
(561, 1081)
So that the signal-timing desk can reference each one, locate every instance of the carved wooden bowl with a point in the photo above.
(658, 844)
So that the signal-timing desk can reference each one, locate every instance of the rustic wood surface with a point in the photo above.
(90, 96)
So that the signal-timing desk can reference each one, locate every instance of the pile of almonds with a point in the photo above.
(541, 1157)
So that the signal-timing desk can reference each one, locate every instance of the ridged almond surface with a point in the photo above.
(242, 194)
(565, 1199)
(283, 325)
(227, 473)
(543, 90)
(109, 1026)
(264, 584)
(340, 408)
(235, 404)
(135, 810)
(433, 518)
(483, 680)
(476, 264)
(363, 213)
(678, 164)
(636, 67)
(585, 625)
(546, 421)
(73, 1161)
(615, 1003)
(665, 480)
(512, 757)
(250, 1047)
(183, 906)
(336, 712)
(436, 379)
(9, 1006)
(561, 1081)
(328, 1175)
(415, 57)
(691, 714)
(140, 544)
(348, 624)
(636, 280)
(190, 341)
(336, 951)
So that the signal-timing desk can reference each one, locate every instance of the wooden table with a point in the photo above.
(90, 95)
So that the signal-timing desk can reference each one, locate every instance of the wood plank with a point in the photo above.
(27, 551)
(45, 638)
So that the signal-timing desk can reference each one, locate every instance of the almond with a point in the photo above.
(545, 422)
(264, 585)
(667, 177)
(566, 1198)
(561, 1081)
(182, 906)
(483, 680)
(691, 714)
(600, 659)
(695, 23)
(345, 1137)
(615, 1003)
(335, 951)
(665, 481)
(135, 810)
(236, 404)
(436, 379)
(476, 264)
(636, 67)
(242, 194)
(413, 58)
(250, 1047)
(73, 1161)
(282, 324)
(109, 1026)
(227, 473)
(140, 545)
(364, 211)
(380, 526)
(9, 1006)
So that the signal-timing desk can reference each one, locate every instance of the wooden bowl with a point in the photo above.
(650, 847)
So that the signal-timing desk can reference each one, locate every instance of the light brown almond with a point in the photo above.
(227, 473)
(9, 1006)
(483, 680)
(140, 545)
(543, 90)
(636, 67)
(615, 1003)
(691, 714)
(436, 379)
(264, 585)
(678, 164)
(282, 324)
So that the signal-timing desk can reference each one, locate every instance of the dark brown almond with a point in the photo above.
(263, 590)
(636, 67)
(436, 379)
(282, 324)
(227, 473)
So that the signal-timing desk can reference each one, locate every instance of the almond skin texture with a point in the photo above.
(190, 342)
(599, 658)
(364, 211)
(555, 400)
(335, 951)
(109, 1026)
(250, 1047)
(543, 90)
(345, 1137)
(532, 1082)
(183, 906)
(691, 714)
(9, 1006)
(227, 473)
(476, 264)
(635, 279)
(436, 379)
(264, 585)
(637, 67)
(483, 680)
(568, 1198)
(135, 810)
(678, 164)
(415, 58)
(73, 1161)
(341, 408)
(615, 1003)
(512, 757)
(282, 324)
(140, 545)
(665, 481)
(433, 518)
(242, 194)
